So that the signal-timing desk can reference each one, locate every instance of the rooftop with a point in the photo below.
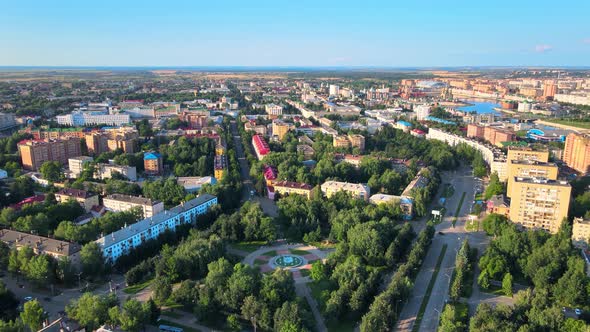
(38, 242)
(75, 193)
(132, 199)
(142, 225)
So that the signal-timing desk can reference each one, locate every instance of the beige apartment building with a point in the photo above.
(357, 141)
(529, 169)
(576, 153)
(35, 152)
(119, 202)
(527, 153)
(86, 199)
(357, 190)
(538, 203)
(76, 164)
(581, 232)
(41, 244)
(288, 188)
(280, 128)
(340, 142)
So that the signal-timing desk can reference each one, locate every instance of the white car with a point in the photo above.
(578, 312)
(28, 298)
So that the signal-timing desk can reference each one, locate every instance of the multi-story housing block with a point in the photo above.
(357, 190)
(576, 153)
(119, 202)
(35, 152)
(119, 243)
(85, 198)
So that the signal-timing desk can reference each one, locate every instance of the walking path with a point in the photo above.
(303, 291)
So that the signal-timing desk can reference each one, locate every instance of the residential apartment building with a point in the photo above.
(106, 171)
(529, 169)
(289, 188)
(340, 142)
(406, 203)
(41, 245)
(306, 150)
(258, 129)
(261, 148)
(356, 190)
(576, 153)
(35, 152)
(219, 166)
(280, 128)
(494, 135)
(538, 203)
(76, 165)
(119, 243)
(119, 202)
(153, 163)
(86, 199)
(357, 141)
(422, 112)
(581, 232)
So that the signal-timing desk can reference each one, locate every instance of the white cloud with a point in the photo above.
(543, 48)
(586, 41)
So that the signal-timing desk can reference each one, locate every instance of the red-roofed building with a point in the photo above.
(260, 146)
(417, 133)
(28, 200)
(270, 174)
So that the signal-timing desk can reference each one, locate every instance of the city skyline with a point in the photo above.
(302, 34)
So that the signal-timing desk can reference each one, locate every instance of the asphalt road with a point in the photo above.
(267, 205)
(452, 236)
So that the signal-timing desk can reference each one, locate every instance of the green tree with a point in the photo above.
(495, 187)
(133, 316)
(507, 284)
(162, 289)
(90, 310)
(233, 323)
(318, 271)
(51, 171)
(92, 260)
(483, 280)
(32, 315)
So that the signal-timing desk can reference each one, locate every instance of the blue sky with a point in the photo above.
(295, 33)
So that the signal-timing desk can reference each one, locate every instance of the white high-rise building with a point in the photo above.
(334, 90)
(422, 111)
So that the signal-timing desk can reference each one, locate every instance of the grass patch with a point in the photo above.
(317, 288)
(305, 272)
(472, 225)
(134, 289)
(323, 245)
(249, 246)
(426, 298)
(184, 327)
(271, 253)
(258, 262)
(299, 252)
(459, 208)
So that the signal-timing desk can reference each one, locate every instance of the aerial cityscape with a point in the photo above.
(297, 167)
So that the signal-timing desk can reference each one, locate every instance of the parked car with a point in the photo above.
(578, 312)
(28, 298)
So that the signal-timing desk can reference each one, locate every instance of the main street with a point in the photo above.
(451, 235)
(267, 205)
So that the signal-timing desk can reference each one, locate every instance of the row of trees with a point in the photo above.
(384, 310)
(462, 276)
(247, 224)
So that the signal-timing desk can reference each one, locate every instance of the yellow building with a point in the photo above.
(529, 169)
(527, 153)
(287, 188)
(539, 203)
(576, 153)
(357, 190)
(581, 232)
(357, 141)
(341, 142)
(86, 199)
(219, 149)
(280, 128)
(219, 166)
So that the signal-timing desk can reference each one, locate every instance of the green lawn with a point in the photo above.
(134, 289)
(576, 123)
(249, 246)
(472, 226)
(299, 252)
(426, 298)
(184, 327)
(316, 290)
(271, 253)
